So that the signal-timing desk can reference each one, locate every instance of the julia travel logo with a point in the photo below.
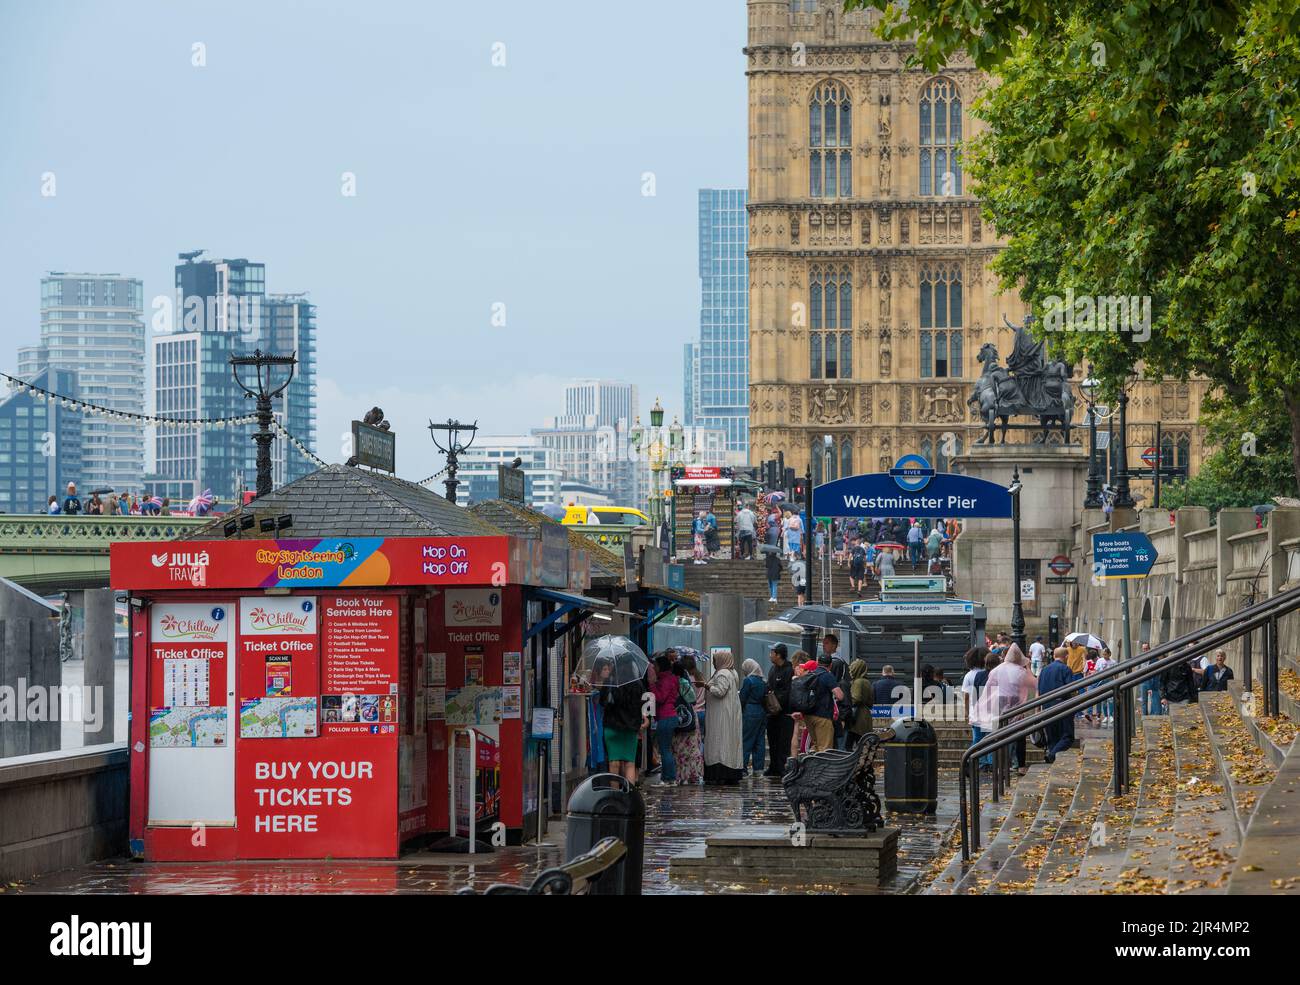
(912, 473)
(191, 559)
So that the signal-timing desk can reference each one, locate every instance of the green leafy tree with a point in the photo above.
(1250, 465)
(1146, 148)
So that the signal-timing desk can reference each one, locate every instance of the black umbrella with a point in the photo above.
(821, 617)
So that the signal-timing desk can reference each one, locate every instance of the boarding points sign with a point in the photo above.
(912, 488)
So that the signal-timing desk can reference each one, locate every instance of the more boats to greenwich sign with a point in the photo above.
(912, 488)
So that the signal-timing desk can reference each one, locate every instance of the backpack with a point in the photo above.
(803, 696)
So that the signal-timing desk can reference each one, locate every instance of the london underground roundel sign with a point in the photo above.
(912, 473)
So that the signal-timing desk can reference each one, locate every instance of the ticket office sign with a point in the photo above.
(360, 635)
(278, 651)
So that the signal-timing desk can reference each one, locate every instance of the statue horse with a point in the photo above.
(999, 397)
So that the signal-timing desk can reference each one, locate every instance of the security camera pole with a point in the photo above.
(266, 392)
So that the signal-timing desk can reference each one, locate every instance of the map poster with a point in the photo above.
(189, 648)
(477, 706)
(278, 718)
(187, 728)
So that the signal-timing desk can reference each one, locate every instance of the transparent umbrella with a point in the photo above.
(612, 661)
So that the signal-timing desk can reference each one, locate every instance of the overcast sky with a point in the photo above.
(476, 184)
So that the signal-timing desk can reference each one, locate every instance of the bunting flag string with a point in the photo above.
(302, 449)
(95, 410)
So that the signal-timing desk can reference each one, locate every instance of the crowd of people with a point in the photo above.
(106, 502)
(718, 727)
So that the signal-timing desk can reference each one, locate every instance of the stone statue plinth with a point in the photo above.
(1053, 484)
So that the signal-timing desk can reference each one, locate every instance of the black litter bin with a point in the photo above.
(912, 768)
(607, 805)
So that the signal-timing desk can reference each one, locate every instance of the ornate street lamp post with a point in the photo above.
(1089, 387)
(1123, 498)
(1017, 608)
(265, 391)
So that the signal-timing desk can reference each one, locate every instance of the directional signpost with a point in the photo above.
(1126, 554)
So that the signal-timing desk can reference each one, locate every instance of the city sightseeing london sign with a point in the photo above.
(912, 488)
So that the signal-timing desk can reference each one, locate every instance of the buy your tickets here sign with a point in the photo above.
(303, 791)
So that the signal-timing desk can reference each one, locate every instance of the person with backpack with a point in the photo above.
(839, 669)
(814, 695)
(780, 725)
(753, 717)
(858, 568)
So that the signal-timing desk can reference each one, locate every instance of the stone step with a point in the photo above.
(1019, 871)
(1205, 824)
(1028, 802)
(1065, 854)
(1239, 752)
(1269, 859)
(1106, 854)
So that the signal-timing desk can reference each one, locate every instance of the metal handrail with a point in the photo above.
(1122, 678)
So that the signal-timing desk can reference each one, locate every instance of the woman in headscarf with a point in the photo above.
(686, 745)
(722, 737)
(860, 692)
(1009, 684)
(753, 716)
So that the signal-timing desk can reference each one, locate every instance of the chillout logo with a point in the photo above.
(188, 629)
(475, 609)
(95, 939)
(278, 622)
(911, 473)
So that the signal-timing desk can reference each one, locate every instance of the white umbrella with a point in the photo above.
(1086, 640)
(777, 627)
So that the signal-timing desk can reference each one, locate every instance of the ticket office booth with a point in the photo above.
(297, 699)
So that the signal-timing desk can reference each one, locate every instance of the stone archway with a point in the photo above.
(1166, 618)
(1144, 626)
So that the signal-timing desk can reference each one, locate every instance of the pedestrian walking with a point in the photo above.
(1056, 675)
(1178, 685)
(799, 737)
(666, 690)
(933, 542)
(1149, 691)
(688, 752)
(914, 541)
(773, 562)
(798, 578)
(722, 738)
(602, 669)
(625, 720)
(699, 545)
(1217, 675)
(860, 693)
(1009, 684)
(858, 569)
(840, 671)
(71, 503)
(780, 725)
(712, 543)
(753, 717)
(885, 563)
(1037, 651)
(825, 692)
(746, 529)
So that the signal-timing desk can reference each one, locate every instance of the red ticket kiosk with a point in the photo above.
(296, 698)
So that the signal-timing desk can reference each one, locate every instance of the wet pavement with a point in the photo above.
(677, 819)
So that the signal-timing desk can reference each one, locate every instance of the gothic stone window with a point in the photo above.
(941, 322)
(940, 111)
(830, 323)
(833, 461)
(935, 451)
(830, 139)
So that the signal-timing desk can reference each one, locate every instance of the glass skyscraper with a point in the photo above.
(41, 444)
(222, 309)
(721, 400)
(93, 324)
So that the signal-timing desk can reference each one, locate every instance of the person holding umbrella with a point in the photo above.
(622, 697)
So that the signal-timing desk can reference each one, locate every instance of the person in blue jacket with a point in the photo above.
(753, 716)
(1060, 734)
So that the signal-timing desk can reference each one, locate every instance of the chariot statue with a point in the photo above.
(1030, 385)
